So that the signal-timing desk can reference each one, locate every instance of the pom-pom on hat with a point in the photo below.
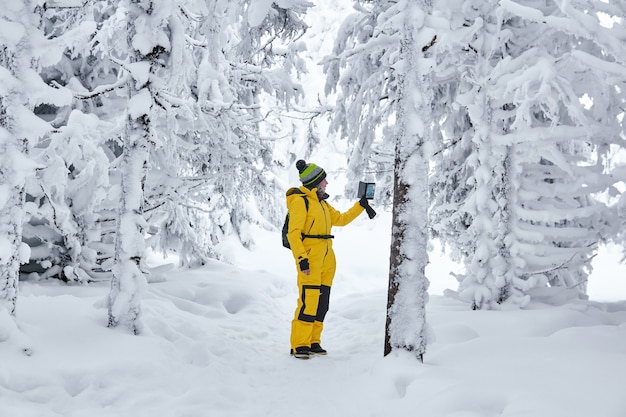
(310, 174)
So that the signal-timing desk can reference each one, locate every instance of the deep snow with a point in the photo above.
(216, 344)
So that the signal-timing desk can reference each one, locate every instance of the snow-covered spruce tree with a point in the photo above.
(247, 54)
(63, 231)
(470, 129)
(94, 70)
(267, 84)
(147, 53)
(185, 206)
(614, 14)
(209, 159)
(210, 136)
(382, 65)
(525, 156)
(13, 149)
(23, 50)
(72, 183)
(408, 286)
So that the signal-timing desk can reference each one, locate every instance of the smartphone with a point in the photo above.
(366, 189)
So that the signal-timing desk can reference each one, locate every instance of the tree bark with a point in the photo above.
(406, 327)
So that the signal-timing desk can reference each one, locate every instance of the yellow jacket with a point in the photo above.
(317, 220)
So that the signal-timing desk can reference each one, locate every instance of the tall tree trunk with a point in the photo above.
(128, 279)
(12, 178)
(10, 228)
(406, 326)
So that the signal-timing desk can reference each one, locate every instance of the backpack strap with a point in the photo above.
(286, 223)
(306, 203)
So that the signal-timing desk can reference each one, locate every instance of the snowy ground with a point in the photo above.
(216, 344)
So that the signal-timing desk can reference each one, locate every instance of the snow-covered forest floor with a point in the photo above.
(215, 343)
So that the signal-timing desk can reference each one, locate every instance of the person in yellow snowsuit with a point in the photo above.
(310, 240)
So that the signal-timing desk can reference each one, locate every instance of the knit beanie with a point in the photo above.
(310, 174)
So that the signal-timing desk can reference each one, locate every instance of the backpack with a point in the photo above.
(286, 224)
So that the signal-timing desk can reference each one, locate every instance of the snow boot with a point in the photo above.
(301, 352)
(316, 349)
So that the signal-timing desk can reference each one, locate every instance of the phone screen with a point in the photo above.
(366, 189)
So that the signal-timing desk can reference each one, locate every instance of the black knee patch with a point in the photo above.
(324, 303)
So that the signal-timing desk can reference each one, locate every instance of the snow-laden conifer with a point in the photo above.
(381, 66)
(209, 167)
(192, 138)
(146, 48)
(23, 52)
(408, 285)
(70, 231)
(520, 162)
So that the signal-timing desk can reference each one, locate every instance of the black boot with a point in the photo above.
(316, 349)
(301, 352)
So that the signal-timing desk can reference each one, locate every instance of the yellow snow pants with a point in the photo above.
(314, 295)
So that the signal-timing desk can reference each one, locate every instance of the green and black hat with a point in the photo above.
(310, 174)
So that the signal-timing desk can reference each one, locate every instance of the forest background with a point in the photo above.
(174, 125)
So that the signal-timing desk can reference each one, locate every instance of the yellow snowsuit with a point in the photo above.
(314, 289)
